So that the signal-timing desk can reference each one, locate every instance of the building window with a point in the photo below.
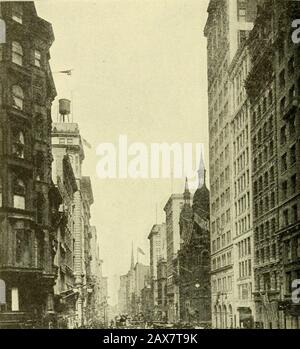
(292, 126)
(294, 184)
(23, 247)
(282, 105)
(18, 97)
(19, 192)
(292, 94)
(17, 13)
(17, 53)
(282, 79)
(284, 190)
(293, 154)
(283, 163)
(18, 144)
(272, 200)
(272, 174)
(295, 213)
(291, 66)
(37, 58)
(285, 218)
(283, 135)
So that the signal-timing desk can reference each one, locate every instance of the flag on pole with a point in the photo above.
(141, 251)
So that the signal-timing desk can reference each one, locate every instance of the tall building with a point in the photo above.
(241, 209)
(27, 227)
(227, 27)
(157, 239)
(66, 138)
(65, 297)
(172, 210)
(141, 279)
(273, 90)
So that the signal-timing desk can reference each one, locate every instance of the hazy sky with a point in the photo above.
(139, 70)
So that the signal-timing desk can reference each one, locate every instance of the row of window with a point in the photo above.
(17, 55)
(221, 242)
(244, 248)
(265, 254)
(220, 222)
(245, 268)
(224, 199)
(264, 155)
(242, 204)
(19, 195)
(264, 205)
(243, 225)
(223, 284)
(241, 140)
(263, 133)
(264, 181)
(222, 261)
(241, 162)
(265, 230)
(242, 183)
(261, 108)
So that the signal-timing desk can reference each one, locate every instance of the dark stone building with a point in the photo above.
(27, 197)
(273, 88)
(194, 257)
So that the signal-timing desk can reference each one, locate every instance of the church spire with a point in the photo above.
(201, 172)
(132, 258)
(186, 194)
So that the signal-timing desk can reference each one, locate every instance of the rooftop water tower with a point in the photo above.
(64, 109)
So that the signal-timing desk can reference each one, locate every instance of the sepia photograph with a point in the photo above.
(150, 167)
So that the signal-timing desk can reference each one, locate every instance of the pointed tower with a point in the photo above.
(186, 194)
(201, 172)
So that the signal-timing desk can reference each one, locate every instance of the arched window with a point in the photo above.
(18, 97)
(17, 13)
(19, 193)
(17, 53)
(18, 144)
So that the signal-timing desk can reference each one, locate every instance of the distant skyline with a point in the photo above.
(139, 69)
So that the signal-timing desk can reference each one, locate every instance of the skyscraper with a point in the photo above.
(227, 27)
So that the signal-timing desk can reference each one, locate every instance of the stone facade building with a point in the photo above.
(27, 227)
(64, 180)
(227, 26)
(273, 89)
